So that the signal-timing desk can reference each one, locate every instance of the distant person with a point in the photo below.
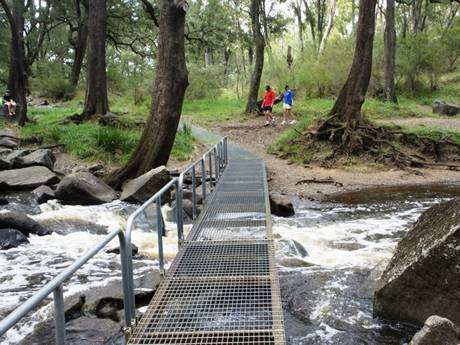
(288, 102)
(267, 105)
(10, 103)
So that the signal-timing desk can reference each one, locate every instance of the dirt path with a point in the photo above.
(285, 178)
(446, 123)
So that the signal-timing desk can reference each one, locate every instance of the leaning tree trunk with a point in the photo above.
(79, 43)
(17, 79)
(259, 43)
(96, 101)
(349, 103)
(171, 82)
(390, 52)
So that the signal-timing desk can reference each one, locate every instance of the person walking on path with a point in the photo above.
(267, 105)
(10, 103)
(288, 101)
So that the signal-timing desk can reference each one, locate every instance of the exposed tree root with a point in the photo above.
(381, 144)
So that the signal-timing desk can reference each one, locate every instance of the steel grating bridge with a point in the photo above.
(222, 287)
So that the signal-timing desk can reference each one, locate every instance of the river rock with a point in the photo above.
(280, 205)
(5, 164)
(144, 187)
(26, 178)
(437, 330)
(8, 143)
(8, 133)
(22, 223)
(11, 238)
(4, 201)
(43, 157)
(83, 188)
(290, 248)
(423, 277)
(43, 194)
(116, 250)
(444, 108)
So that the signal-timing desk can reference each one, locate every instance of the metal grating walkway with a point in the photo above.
(222, 287)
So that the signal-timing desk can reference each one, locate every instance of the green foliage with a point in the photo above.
(204, 82)
(184, 145)
(50, 81)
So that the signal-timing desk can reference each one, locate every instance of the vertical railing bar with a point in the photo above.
(59, 315)
(210, 171)
(203, 178)
(193, 193)
(125, 277)
(179, 211)
(216, 166)
(160, 235)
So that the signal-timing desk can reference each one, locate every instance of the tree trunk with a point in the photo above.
(171, 81)
(330, 25)
(390, 52)
(259, 43)
(289, 57)
(17, 79)
(298, 13)
(348, 106)
(227, 53)
(79, 44)
(96, 101)
(416, 16)
(353, 14)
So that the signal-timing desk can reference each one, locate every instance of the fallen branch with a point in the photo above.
(329, 180)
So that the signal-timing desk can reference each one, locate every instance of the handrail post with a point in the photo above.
(59, 315)
(193, 193)
(125, 277)
(210, 171)
(160, 236)
(203, 178)
(216, 165)
(179, 209)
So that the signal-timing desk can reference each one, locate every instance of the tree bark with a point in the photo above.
(227, 54)
(330, 25)
(390, 52)
(79, 43)
(259, 42)
(17, 79)
(298, 14)
(348, 106)
(96, 100)
(171, 81)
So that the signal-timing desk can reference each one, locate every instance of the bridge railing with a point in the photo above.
(55, 286)
(212, 164)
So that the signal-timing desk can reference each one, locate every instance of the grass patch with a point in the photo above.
(90, 141)
(208, 111)
(437, 134)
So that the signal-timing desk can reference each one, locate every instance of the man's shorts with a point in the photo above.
(287, 106)
(267, 109)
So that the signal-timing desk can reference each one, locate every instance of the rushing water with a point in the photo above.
(326, 301)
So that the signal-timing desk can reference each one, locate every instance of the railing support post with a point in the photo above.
(203, 178)
(193, 193)
(59, 315)
(160, 236)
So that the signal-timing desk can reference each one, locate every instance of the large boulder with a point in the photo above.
(144, 187)
(11, 238)
(280, 205)
(83, 188)
(27, 178)
(444, 108)
(437, 330)
(8, 143)
(8, 133)
(22, 223)
(43, 194)
(423, 277)
(43, 157)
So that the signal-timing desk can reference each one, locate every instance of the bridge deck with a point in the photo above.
(222, 287)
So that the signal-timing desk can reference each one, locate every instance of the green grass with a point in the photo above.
(90, 141)
(434, 133)
(208, 111)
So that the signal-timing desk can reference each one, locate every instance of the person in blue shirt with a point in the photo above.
(288, 102)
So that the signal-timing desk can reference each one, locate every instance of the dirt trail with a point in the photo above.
(445, 123)
(285, 177)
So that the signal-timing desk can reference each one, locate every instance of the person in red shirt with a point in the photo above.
(267, 105)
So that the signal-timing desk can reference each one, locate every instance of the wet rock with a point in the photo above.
(4, 201)
(134, 250)
(347, 245)
(8, 143)
(83, 188)
(444, 108)
(290, 248)
(188, 194)
(5, 164)
(437, 330)
(293, 262)
(11, 238)
(26, 178)
(43, 194)
(422, 278)
(280, 205)
(367, 289)
(40, 157)
(144, 187)
(22, 223)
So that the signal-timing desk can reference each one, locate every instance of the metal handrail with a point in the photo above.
(217, 157)
(55, 287)
(219, 151)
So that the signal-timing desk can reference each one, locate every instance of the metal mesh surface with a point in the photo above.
(222, 287)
